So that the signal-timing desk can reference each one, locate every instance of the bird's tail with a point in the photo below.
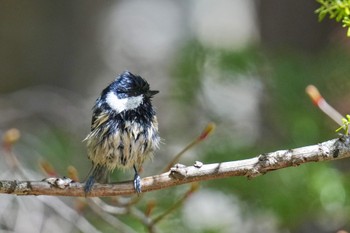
(98, 173)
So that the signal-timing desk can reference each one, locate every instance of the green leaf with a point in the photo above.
(339, 10)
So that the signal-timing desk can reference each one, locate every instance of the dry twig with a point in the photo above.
(180, 174)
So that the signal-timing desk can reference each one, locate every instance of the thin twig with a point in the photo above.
(110, 219)
(68, 213)
(177, 204)
(180, 174)
(108, 208)
(319, 101)
(209, 128)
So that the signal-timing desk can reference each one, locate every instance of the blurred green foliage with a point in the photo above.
(246, 60)
(187, 71)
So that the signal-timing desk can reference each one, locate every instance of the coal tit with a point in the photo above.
(124, 129)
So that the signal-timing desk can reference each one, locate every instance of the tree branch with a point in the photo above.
(180, 174)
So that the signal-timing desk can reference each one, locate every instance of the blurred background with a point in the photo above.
(241, 64)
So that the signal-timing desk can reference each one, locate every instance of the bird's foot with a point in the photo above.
(137, 181)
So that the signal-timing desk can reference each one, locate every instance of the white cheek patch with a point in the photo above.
(125, 104)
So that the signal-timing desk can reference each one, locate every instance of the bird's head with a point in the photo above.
(127, 92)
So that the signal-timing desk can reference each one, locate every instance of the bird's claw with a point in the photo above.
(137, 183)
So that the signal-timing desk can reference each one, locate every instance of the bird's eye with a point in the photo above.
(133, 92)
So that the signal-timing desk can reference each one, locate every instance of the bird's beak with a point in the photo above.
(150, 94)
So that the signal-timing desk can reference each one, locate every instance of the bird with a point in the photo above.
(124, 129)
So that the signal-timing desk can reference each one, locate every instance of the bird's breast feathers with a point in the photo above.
(121, 147)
